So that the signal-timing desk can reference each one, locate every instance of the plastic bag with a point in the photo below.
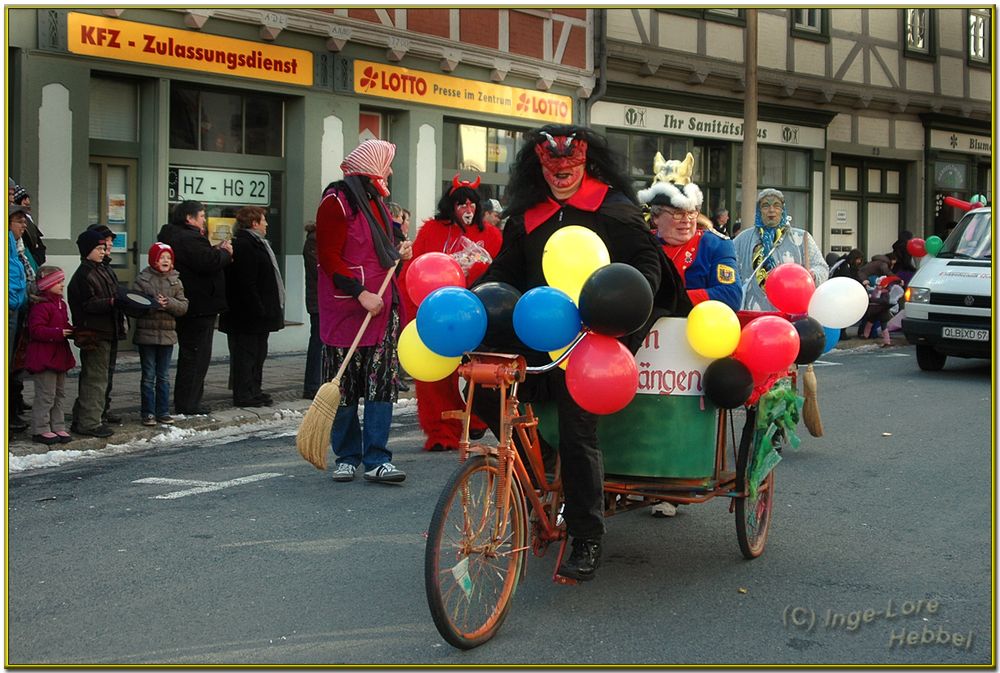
(468, 253)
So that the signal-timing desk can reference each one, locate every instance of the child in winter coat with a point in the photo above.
(156, 332)
(49, 357)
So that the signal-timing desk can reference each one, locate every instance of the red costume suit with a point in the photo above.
(435, 397)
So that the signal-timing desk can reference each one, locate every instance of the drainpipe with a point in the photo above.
(601, 54)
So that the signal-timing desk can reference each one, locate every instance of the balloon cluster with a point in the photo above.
(585, 291)
(918, 247)
(754, 354)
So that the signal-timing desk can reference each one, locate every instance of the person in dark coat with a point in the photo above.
(562, 176)
(200, 265)
(255, 295)
(314, 354)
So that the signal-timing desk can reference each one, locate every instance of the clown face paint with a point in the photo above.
(563, 160)
(465, 213)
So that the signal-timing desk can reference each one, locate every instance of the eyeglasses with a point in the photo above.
(677, 215)
(771, 204)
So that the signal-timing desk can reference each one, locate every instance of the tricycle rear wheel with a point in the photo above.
(753, 513)
(469, 573)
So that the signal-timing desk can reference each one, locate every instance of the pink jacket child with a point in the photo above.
(48, 357)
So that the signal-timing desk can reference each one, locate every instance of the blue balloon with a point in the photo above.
(546, 319)
(832, 338)
(451, 321)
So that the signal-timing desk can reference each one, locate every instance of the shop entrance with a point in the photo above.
(112, 201)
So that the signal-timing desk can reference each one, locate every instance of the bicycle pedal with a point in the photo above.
(568, 581)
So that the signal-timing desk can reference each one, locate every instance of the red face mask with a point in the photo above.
(465, 213)
(563, 160)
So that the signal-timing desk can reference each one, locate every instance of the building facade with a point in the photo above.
(114, 115)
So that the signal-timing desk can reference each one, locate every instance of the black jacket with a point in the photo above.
(620, 225)
(310, 261)
(200, 266)
(251, 289)
(90, 296)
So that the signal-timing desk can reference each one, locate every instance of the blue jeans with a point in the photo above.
(154, 387)
(314, 359)
(353, 445)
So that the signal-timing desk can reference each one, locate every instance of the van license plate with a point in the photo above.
(966, 333)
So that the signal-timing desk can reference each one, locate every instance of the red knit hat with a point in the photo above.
(158, 249)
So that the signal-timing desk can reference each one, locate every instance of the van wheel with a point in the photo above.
(929, 359)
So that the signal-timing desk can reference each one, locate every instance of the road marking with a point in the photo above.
(200, 486)
(824, 363)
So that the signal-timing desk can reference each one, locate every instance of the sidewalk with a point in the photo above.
(283, 374)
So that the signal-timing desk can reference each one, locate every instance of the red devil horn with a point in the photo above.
(475, 185)
(455, 184)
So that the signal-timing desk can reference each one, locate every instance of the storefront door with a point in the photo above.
(112, 201)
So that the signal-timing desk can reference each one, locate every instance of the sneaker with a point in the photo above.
(148, 420)
(583, 561)
(664, 509)
(111, 418)
(64, 437)
(165, 419)
(386, 472)
(100, 431)
(344, 472)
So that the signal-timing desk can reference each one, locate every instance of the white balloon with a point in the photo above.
(838, 303)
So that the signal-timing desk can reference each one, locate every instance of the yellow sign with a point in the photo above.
(220, 229)
(143, 43)
(377, 79)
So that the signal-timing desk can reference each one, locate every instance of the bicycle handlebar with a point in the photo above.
(541, 369)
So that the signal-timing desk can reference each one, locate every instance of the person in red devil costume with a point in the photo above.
(562, 176)
(458, 221)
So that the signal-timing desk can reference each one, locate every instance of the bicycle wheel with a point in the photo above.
(753, 514)
(470, 568)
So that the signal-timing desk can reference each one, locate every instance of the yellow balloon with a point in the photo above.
(554, 355)
(570, 255)
(421, 362)
(713, 330)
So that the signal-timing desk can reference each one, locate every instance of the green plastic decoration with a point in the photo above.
(778, 410)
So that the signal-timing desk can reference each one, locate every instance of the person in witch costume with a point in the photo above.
(566, 175)
(770, 242)
(705, 258)
(458, 221)
(355, 249)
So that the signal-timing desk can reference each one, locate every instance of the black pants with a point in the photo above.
(194, 354)
(581, 459)
(247, 353)
(111, 376)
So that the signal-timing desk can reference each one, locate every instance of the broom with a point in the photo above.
(810, 408)
(313, 438)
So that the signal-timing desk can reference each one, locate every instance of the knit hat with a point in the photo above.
(371, 159)
(20, 193)
(87, 241)
(157, 250)
(102, 229)
(672, 184)
(50, 280)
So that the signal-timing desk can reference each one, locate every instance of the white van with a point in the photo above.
(948, 302)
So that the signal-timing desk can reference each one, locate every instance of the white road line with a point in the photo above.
(201, 486)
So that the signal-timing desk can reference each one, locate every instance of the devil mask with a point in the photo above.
(564, 160)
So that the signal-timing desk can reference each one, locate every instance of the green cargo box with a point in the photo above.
(654, 436)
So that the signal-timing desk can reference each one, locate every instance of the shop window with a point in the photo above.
(892, 182)
(484, 151)
(874, 181)
(784, 170)
(850, 179)
(834, 178)
(228, 122)
(980, 40)
(950, 175)
(114, 110)
(637, 151)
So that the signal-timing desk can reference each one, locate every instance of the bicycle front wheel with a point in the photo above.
(471, 564)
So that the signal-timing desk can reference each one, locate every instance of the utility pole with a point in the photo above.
(748, 207)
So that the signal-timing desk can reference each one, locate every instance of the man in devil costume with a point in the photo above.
(566, 175)
(458, 221)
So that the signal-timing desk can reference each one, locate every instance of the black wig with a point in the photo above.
(446, 206)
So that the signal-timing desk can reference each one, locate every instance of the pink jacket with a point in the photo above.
(47, 347)
(340, 314)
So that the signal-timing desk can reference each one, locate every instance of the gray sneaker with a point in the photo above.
(386, 472)
(344, 472)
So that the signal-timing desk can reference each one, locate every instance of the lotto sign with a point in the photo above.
(386, 81)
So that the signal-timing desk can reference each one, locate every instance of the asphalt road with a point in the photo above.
(263, 560)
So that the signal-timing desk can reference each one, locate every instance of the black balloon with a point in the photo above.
(615, 300)
(812, 340)
(727, 383)
(499, 300)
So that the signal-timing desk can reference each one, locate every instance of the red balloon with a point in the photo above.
(916, 247)
(431, 271)
(601, 375)
(789, 287)
(767, 345)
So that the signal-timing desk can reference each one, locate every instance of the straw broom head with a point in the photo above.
(313, 438)
(810, 408)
